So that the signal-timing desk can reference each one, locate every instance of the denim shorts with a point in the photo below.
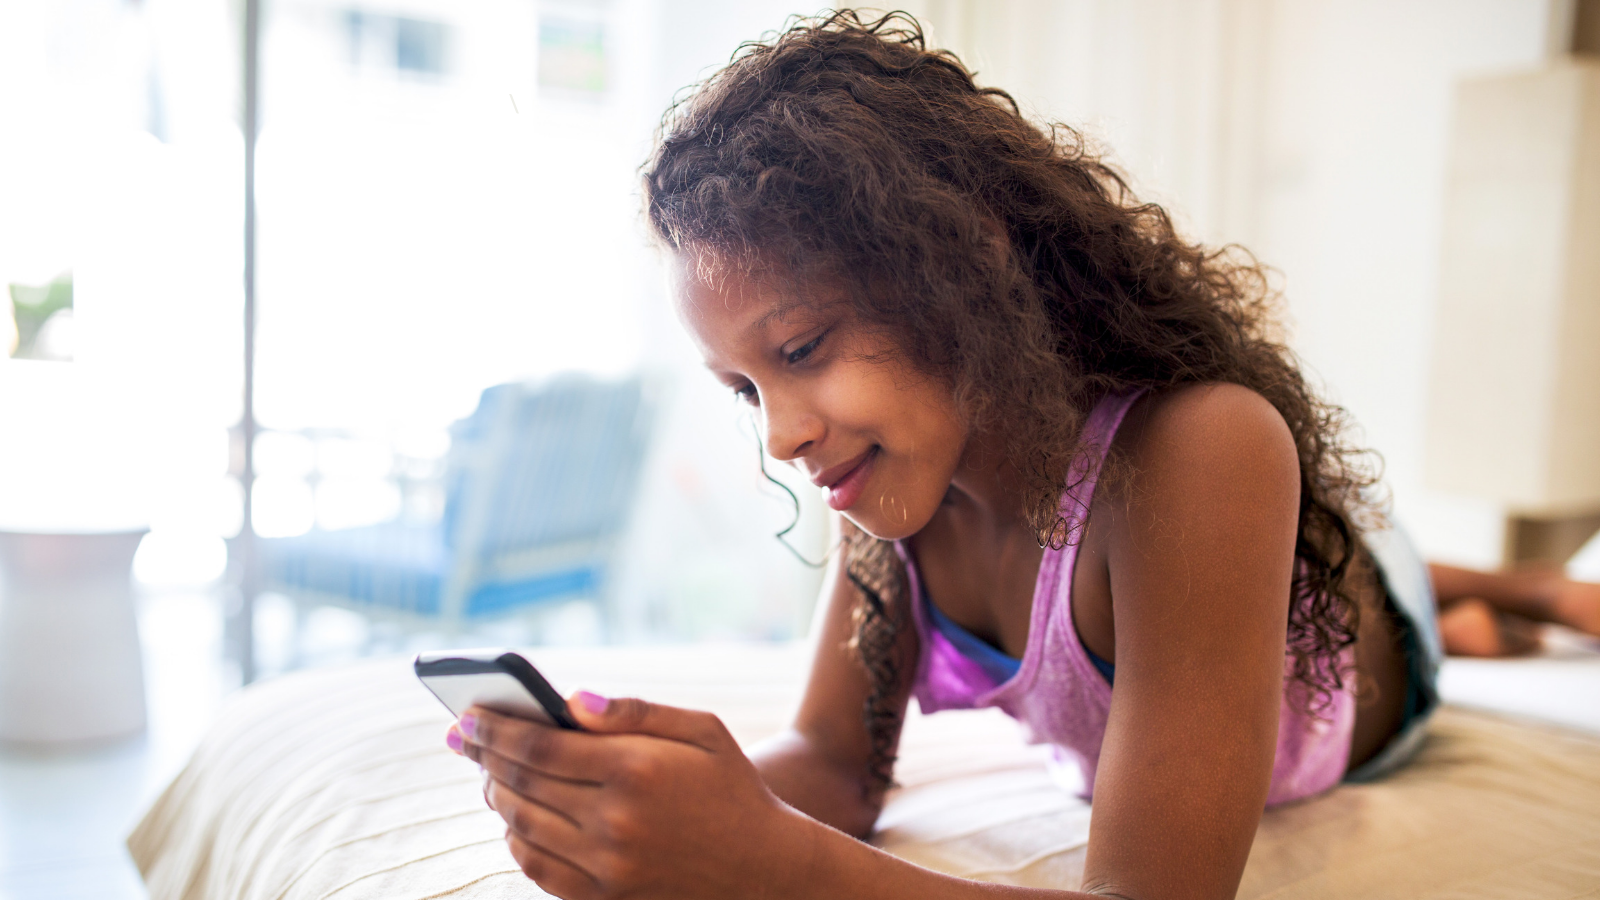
(1405, 580)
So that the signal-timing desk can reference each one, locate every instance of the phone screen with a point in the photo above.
(501, 680)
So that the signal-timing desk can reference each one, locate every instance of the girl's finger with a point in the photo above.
(568, 799)
(630, 715)
(552, 873)
(538, 824)
(568, 754)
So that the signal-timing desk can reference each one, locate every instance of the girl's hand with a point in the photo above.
(651, 801)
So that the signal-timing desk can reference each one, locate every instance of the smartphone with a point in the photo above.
(500, 679)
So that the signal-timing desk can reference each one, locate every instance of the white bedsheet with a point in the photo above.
(336, 784)
(1559, 686)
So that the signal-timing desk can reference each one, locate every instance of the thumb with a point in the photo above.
(630, 715)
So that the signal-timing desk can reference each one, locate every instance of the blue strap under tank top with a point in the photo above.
(999, 665)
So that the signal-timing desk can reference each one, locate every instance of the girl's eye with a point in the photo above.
(747, 393)
(800, 353)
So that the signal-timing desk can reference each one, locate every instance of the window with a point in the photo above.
(409, 46)
(572, 55)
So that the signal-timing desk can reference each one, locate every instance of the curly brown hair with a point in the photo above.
(1008, 260)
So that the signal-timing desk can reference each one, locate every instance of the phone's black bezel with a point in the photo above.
(512, 664)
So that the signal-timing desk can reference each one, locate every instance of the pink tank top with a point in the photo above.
(1062, 699)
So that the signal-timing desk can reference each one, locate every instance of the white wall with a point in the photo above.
(1359, 233)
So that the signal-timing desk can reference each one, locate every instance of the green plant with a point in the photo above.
(33, 306)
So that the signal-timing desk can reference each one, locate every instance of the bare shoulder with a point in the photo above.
(1210, 443)
(1210, 421)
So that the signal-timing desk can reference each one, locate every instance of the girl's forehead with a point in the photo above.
(719, 298)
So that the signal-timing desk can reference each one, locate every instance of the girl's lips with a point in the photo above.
(843, 494)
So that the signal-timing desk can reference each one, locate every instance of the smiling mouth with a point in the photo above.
(847, 487)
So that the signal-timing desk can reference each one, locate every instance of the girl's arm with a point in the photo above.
(819, 765)
(1198, 555)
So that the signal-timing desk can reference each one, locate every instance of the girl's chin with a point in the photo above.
(890, 523)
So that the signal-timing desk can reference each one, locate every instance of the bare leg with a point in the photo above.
(1491, 613)
(1471, 627)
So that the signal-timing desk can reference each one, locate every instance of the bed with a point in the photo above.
(336, 785)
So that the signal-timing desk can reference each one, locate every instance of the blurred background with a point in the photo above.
(449, 268)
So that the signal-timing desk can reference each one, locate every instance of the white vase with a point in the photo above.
(70, 667)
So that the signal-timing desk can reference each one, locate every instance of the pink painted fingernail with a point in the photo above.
(593, 702)
(469, 726)
(452, 739)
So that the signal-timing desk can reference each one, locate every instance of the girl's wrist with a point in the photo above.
(790, 867)
(805, 860)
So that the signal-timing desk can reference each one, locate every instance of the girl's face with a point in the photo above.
(835, 398)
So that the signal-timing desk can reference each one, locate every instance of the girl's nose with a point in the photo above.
(792, 431)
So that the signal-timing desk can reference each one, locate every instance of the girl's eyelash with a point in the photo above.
(800, 353)
(747, 391)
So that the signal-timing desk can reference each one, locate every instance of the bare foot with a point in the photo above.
(1471, 627)
(1576, 604)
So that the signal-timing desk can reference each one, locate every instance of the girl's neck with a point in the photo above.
(987, 491)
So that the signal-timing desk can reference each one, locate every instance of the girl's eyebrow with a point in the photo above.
(779, 311)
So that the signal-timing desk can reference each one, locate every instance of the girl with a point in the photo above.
(1078, 479)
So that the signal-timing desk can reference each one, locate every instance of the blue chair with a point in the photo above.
(539, 482)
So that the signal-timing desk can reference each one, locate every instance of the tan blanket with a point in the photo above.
(336, 784)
